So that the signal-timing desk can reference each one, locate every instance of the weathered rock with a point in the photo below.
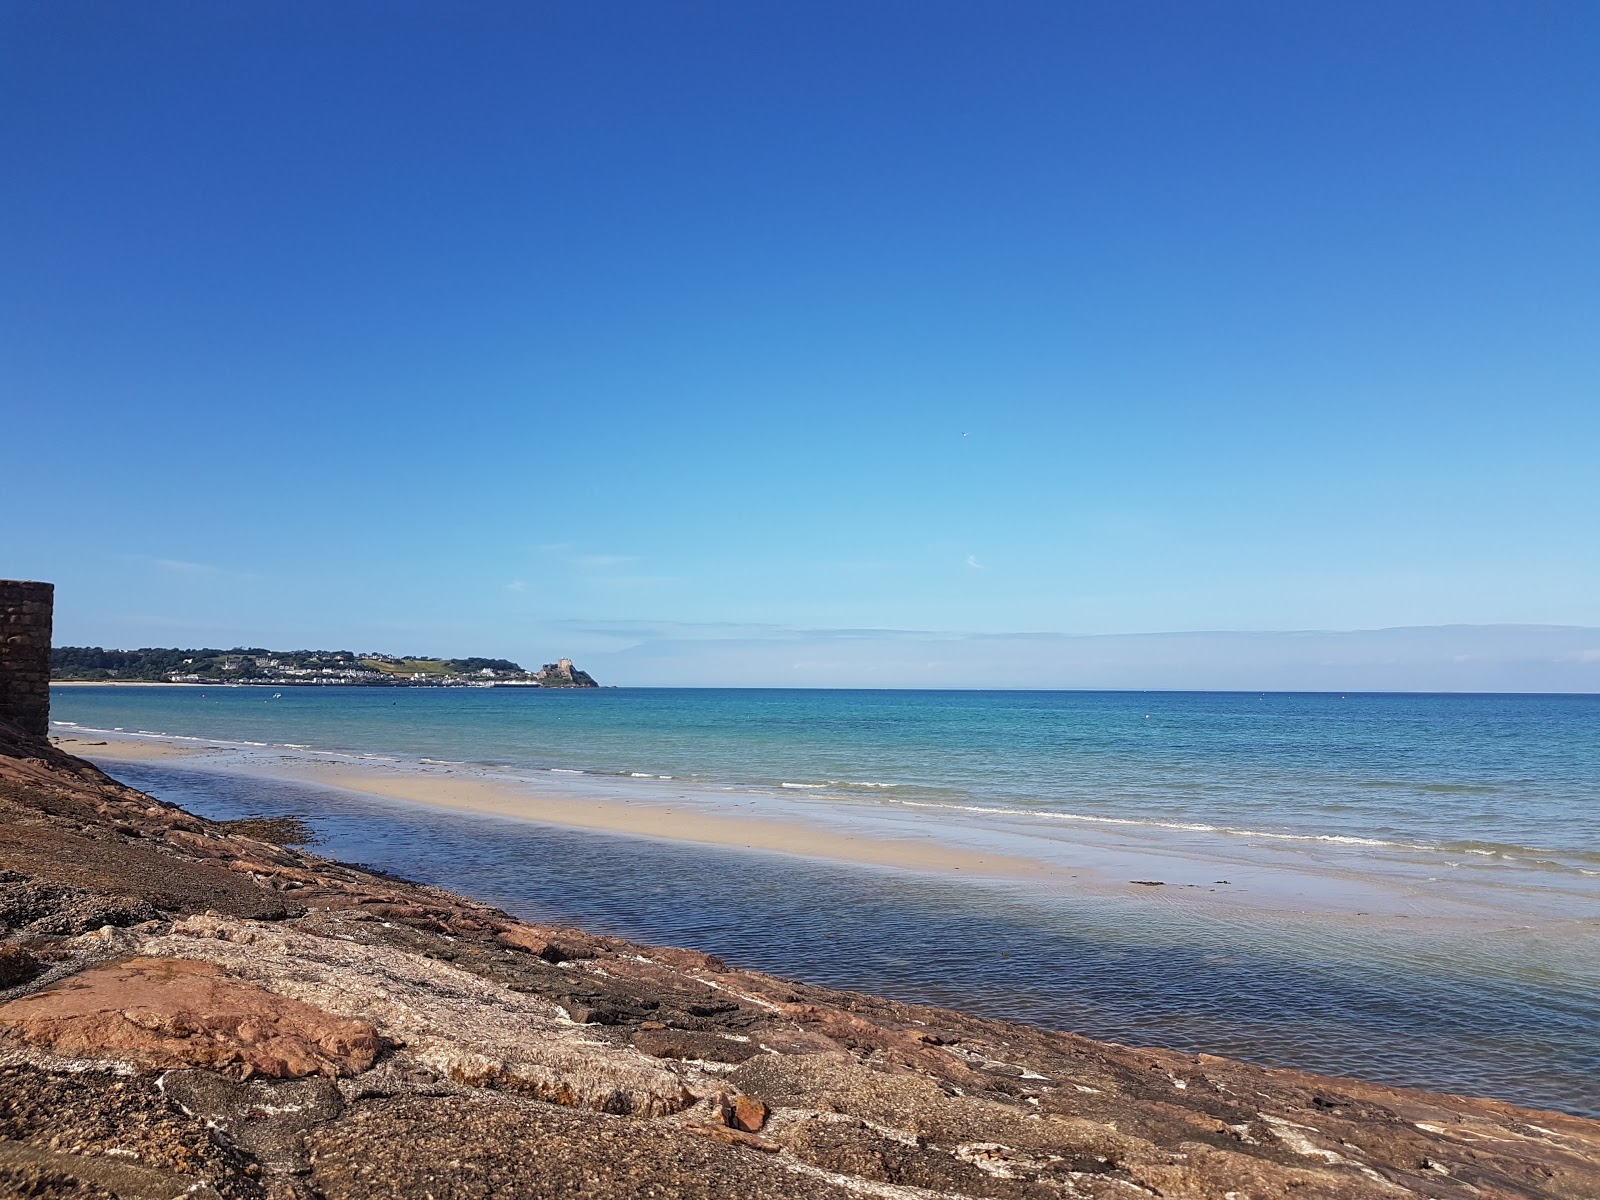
(266, 1120)
(36, 1172)
(130, 876)
(105, 1117)
(451, 1021)
(446, 1148)
(746, 1113)
(551, 949)
(173, 1012)
(692, 1044)
(17, 965)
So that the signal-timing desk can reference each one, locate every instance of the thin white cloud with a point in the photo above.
(972, 561)
(183, 566)
(602, 562)
(517, 585)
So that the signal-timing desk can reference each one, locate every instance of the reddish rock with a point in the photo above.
(738, 1111)
(176, 1012)
(749, 1114)
(552, 950)
(687, 960)
(733, 1137)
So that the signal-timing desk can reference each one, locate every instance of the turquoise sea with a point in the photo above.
(1474, 820)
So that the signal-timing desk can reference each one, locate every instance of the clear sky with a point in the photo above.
(532, 328)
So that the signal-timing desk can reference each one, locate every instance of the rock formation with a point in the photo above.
(187, 1010)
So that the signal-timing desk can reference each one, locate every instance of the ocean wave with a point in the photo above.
(840, 783)
(1503, 853)
(1183, 826)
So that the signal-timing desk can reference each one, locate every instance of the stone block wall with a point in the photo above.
(25, 612)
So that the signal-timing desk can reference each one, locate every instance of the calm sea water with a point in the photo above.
(1495, 796)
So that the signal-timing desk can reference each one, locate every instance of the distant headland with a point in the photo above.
(300, 668)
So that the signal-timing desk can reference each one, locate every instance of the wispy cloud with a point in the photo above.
(604, 562)
(972, 561)
(183, 566)
(517, 585)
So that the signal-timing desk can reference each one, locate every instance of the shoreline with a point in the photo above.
(1162, 870)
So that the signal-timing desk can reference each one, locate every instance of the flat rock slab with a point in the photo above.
(104, 866)
(35, 1172)
(474, 1148)
(177, 1012)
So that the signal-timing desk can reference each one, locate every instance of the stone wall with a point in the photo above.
(25, 610)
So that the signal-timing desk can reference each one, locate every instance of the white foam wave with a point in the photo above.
(1184, 826)
(806, 786)
(564, 771)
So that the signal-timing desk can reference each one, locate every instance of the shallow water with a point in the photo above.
(1422, 1009)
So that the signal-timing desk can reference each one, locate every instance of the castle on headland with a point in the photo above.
(564, 674)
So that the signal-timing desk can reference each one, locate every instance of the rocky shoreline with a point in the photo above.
(186, 1009)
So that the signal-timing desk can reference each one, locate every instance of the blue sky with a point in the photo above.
(483, 328)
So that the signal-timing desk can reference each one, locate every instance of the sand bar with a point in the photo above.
(642, 818)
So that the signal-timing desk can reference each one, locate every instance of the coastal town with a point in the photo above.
(302, 668)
